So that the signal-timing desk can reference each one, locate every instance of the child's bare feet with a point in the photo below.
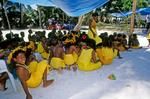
(2, 87)
(60, 71)
(47, 83)
(74, 68)
(68, 67)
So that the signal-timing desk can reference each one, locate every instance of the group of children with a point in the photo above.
(32, 60)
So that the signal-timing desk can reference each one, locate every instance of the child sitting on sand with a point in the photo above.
(28, 78)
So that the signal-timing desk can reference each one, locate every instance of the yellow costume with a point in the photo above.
(90, 34)
(31, 45)
(36, 70)
(135, 47)
(32, 66)
(41, 50)
(57, 63)
(84, 61)
(106, 55)
(75, 56)
(37, 74)
(68, 59)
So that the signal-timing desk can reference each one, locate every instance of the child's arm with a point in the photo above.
(94, 57)
(22, 77)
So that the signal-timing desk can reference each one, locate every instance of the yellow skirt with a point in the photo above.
(36, 76)
(107, 61)
(45, 55)
(89, 67)
(32, 66)
(96, 38)
(135, 47)
(68, 59)
(75, 56)
(57, 63)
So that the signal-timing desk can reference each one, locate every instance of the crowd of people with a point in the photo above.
(54, 23)
(73, 50)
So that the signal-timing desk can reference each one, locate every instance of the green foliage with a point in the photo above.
(142, 3)
(127, 5)
(124, 5)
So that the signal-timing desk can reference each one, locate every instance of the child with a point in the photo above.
(42, 48)
(87, 59)
(106, 53)
(27, 78)
(124, 42)
(134, 42)
(92, 33)
(56, 55)
(70, 56)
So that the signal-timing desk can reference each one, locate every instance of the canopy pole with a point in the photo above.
(78, 26)
(7, 18)
(133, 17)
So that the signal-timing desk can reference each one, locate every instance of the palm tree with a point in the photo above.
(3, 14)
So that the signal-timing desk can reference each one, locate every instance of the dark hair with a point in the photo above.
(134, 35)
(124, 36)
(53, 41)
(28, 52)
(68, 45)
(73, 32)
(15, 54)
(95, 14)
(107, 42)
(91, 43)
(30, 31)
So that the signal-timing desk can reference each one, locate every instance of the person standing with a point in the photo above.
(92, 32)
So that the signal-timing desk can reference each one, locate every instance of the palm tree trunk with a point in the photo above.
(21, 17)
(40, 21)
(133, 17)
(3, 16)
(7, 18)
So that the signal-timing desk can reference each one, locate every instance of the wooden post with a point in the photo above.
(7, 18)
(133, 17)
